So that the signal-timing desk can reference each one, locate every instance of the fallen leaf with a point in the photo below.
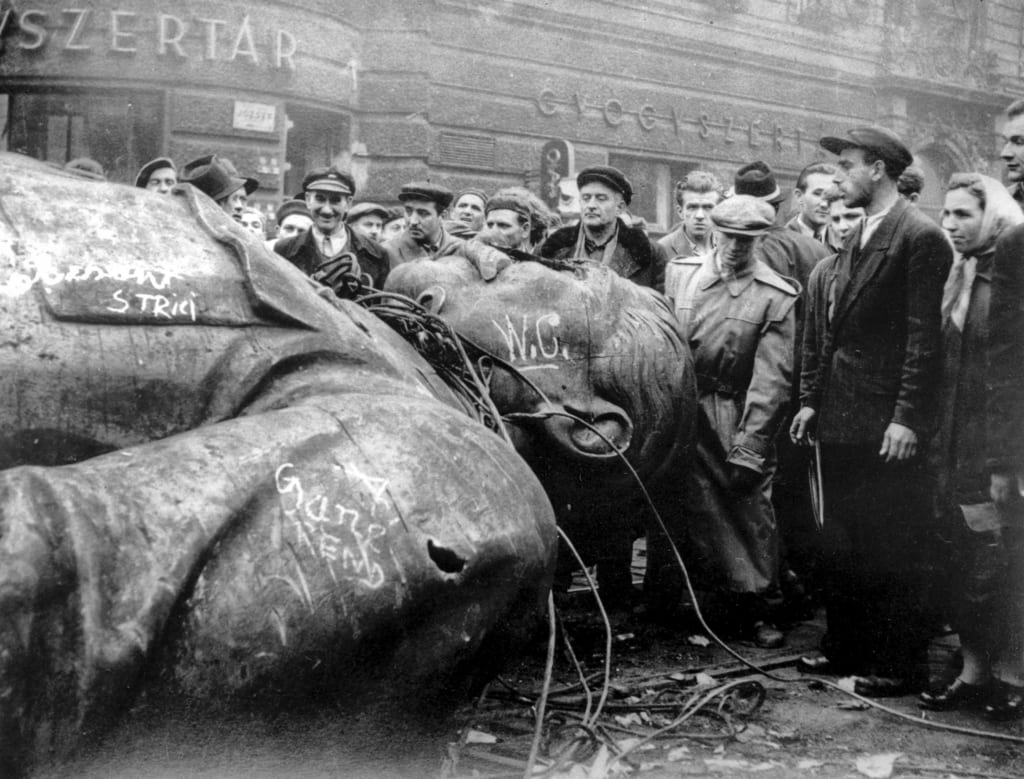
(698, 640)
(878, 766)
(704, 679)
(847, 683)
(783, 734)
(807, 765)
(628, 720)
(679, 753)
(480, 737)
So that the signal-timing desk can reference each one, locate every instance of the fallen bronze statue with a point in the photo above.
(583, 362)
(219, 483)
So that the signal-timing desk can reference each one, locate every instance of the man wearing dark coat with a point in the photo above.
(868, 393)
(330, 252)
(603, 237)
(696, 195)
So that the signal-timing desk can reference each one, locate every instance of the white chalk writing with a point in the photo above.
(331, 531)
(52, 277)
(533, 342)
(172, 307)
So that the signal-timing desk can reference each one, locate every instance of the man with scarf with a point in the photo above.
(602, 236)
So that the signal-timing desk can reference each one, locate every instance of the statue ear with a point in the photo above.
(432, 299)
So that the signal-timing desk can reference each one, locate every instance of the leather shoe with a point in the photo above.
(1007, 704)
(957, 694)
(880, 686)
(816, 665)
(768, 636)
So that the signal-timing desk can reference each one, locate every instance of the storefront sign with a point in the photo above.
(754, 133)
(254, 116)
(82, 31)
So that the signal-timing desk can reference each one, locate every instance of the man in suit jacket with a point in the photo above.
(330, 252)
(601, 235)
(868, 393)
(696, 195)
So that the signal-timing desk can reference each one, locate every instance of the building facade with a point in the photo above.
(470, 91)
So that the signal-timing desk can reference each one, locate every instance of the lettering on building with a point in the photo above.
(121, 32)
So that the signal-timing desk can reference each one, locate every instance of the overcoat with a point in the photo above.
(636, 256)
(301, 251)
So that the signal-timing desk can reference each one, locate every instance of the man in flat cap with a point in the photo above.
(868, 396)
(425, 236)
(792, 255)
(330, 252)
(738, 318)
(601, 235)
(367, 219)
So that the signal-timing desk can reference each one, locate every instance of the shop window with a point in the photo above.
(121, 131)
(315, 138)
(653, 188)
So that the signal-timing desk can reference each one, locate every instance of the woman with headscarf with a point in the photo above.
(977, 210)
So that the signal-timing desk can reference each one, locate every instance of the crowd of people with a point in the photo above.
(858, 373)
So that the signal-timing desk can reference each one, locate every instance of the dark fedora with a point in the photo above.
(613, 178)
(216, 177)
(880, 141)
(329, 179)
(743, 215)
(147, 170)
(757, 180)
(428, 191)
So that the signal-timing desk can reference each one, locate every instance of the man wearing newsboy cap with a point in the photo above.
(738, 317)
(603, 237)
(330, 252)
(868, 399)
(425, 236)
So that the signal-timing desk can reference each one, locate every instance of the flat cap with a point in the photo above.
(290, 208)
(329, 179)
(151, 167)
(426, 190)
(743, 215)
(879, 140)
(359, 210)
(757, 180)
(613, 178)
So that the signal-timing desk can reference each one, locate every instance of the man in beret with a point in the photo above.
(330, 252)
(467, 212)
(367, 219)
(696, 195)
(738, 318)
(507, 222)
(868, 397)
(601, 235)
(425, 235)
(158, 175)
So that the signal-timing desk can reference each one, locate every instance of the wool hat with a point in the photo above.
(216, 177)
(329, 179)
(426, 190)
(613, 178)
(290, 208)
(147, 170)
(743, 215)
(881, 141)
(757, 180)
(475, 191)
(359, 210)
